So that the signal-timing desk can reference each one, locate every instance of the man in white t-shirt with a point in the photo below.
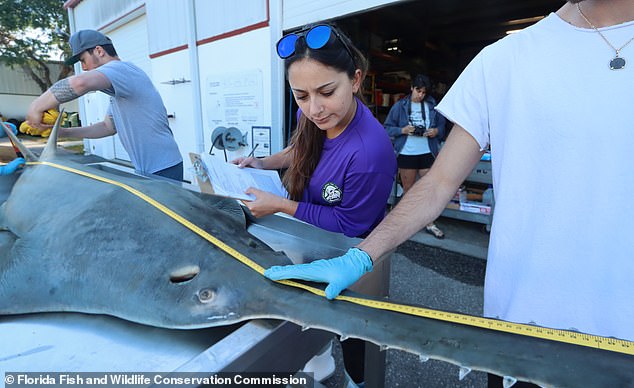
(554, 104)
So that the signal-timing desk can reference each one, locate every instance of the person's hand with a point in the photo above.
(34, 119)
(248, 162)
(408, 130)
(41, 121)
(340, 272)
(264, 203)
(10, 167)
(431, 132)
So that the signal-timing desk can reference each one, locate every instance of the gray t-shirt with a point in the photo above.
(140, 117)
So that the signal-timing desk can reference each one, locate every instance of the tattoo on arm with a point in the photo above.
(63, 92)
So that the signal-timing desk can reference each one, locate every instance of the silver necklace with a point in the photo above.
(617, 63)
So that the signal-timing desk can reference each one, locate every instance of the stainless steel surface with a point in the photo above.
(260, 345)
(82, 343)
(300, 241)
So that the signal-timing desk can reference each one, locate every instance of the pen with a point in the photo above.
(253, 150)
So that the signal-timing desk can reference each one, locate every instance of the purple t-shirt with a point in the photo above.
(349, 189)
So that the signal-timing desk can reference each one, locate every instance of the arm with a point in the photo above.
(65, 90)
(428, 197)
(421, 205)
(95, 131)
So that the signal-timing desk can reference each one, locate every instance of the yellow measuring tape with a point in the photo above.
(588, 340)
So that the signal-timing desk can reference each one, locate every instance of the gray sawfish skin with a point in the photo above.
(71, 243)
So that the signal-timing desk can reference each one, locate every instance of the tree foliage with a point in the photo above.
(32, 33)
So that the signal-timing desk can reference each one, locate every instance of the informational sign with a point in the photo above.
(235, 100)
(261, 141)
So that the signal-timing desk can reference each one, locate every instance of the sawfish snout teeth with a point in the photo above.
(464, 371)
(508, 381)
(206, 295)
(184, 274)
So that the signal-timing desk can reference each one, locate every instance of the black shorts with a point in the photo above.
(415, 162)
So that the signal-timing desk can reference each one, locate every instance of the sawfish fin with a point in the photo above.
(51, 145)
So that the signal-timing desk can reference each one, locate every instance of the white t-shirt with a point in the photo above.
(417, 145)
(561, 128)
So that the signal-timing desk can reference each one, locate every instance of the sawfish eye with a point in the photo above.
(205, 295)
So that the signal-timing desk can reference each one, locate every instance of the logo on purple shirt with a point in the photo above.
(331, 193)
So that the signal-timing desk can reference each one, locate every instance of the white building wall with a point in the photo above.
(170, 28)
(15, 106)
(301, 12)
(214, 18)
(241, 60)
(168, 71)
(167, 24)
(97, 15)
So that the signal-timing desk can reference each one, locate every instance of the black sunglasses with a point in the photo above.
(316, 38)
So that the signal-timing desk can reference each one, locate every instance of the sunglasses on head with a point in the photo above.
(316, 37)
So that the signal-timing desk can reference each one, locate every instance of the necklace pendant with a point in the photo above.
(617, 63)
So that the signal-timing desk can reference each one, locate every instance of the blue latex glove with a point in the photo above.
(10, 167)
(340, 272)
(11, 126)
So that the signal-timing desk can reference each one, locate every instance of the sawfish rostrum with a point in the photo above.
(70, 242)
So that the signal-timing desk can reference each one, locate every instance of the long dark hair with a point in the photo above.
(308, 140)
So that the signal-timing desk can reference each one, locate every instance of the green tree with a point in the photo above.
(33, 33)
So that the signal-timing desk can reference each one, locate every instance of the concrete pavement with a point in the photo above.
(467, 238)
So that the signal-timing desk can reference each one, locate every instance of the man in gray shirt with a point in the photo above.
(136, 110)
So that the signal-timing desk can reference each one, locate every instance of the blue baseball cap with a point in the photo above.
(84, 40)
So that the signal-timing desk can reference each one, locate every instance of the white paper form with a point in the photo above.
(227, 179)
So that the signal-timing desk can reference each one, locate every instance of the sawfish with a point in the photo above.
(74, 238)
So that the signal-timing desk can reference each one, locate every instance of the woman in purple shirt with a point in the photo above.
(340, 163)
